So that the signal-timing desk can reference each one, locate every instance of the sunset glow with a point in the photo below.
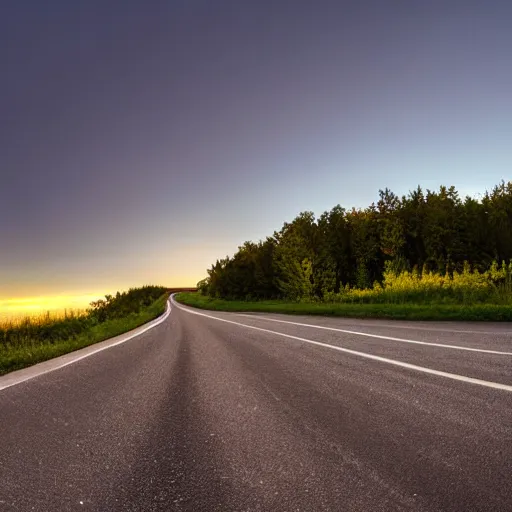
(143, 143)
(33, 306)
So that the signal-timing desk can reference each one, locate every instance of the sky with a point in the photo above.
(142, 140)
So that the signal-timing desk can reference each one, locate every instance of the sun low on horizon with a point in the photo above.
(15, 308)
(256, 255)
(145, 141)
(58, 304)
(36, 306)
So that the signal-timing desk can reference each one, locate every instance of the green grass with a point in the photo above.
(22, 351)
(476, 312)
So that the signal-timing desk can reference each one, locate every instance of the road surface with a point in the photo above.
(228, 412)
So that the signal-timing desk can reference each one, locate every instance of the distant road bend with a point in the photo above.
(210, 411)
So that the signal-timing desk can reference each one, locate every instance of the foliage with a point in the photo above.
(32, 340)
(296, 281)
(453, 242)
(125, 303)
(466, 287)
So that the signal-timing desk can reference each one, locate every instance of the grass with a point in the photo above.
(31, 341)
(397, 311)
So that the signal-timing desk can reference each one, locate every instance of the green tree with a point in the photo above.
(309, 259)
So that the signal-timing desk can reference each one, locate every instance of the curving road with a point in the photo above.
(228, 412)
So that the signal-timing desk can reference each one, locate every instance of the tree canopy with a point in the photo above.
(425, 230)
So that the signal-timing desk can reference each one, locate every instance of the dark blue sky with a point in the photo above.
(141, 140)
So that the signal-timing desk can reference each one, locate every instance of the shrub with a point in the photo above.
(469, 286)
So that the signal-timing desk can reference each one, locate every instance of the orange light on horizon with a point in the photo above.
(30, 306)
(14, 308)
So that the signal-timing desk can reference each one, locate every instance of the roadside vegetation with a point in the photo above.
(428, 255)
(34, 339)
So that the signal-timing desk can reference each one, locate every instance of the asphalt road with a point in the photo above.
(204, 414)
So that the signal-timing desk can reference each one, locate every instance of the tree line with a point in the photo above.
(434, 231)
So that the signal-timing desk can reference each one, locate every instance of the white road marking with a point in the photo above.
(437, 329)
(499, 332)
(379, 336)
(19, 376)
(453, 376)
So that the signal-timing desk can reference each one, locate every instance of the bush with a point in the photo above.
(123, 304)
(493, 286)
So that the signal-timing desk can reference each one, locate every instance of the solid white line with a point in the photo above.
(453, 376)
(379, 336)
(17, 377)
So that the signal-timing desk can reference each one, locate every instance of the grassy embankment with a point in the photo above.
(32, 340)
(473, 296)
(482, 312)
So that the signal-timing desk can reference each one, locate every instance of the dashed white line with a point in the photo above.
(379, 336)
(422, 369)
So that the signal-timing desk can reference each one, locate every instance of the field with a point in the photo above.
(24, 342)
